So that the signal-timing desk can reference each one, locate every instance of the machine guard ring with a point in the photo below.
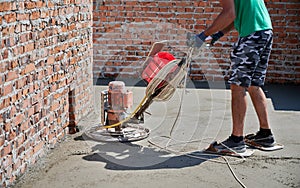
(129, 133)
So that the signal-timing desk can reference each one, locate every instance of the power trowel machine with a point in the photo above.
(162, 73)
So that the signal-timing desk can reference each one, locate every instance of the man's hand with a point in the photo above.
(215, 37)
(195, 41)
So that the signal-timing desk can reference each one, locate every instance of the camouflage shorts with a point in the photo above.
(249, 59)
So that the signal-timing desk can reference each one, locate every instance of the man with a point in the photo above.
(249, 59)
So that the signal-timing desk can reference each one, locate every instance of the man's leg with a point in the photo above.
(256, 93)
(238, 109)
(235, 143)
(264, 136)
(260, 104)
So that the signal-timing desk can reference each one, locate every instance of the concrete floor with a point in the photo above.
(205, 116)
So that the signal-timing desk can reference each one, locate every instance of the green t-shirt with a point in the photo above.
(251, 16)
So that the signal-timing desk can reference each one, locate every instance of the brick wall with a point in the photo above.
(45, 77)
(125, 30)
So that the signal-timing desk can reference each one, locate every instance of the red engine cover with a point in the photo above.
(118, 97)
(158, 61)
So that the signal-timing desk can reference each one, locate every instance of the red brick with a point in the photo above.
(21, 83)
(12, 135)
(2, 140)
(29, 47)
(35, 15)
(13, 64)
(16, 165)
(30, 5)
(44, 14)
(19, 118)
(29, 53)
(24, 37)
(210, 11)
(10, 17)
(50, 60)
(6, 6)
(11, 75)
(7, 127)
(55, 105)
(8, 30)
(4, 103)
(13, 110)
(6, 150)
(22, 16)
(38, 147)
(28, 154)
(7, 89)
(37, 107)
(28, 68)
(7, 161)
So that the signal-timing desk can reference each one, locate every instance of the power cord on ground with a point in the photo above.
(203, 158)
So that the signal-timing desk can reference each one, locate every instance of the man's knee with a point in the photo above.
(254, 89)
(238, 89)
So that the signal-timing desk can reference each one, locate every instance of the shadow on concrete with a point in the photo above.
(141, 83)
(129, 156)
(284, 97)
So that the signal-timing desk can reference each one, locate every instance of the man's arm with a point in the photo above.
(224, 21)
(228, 28)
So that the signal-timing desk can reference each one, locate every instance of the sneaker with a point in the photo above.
(227, 147)
(260, 140)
